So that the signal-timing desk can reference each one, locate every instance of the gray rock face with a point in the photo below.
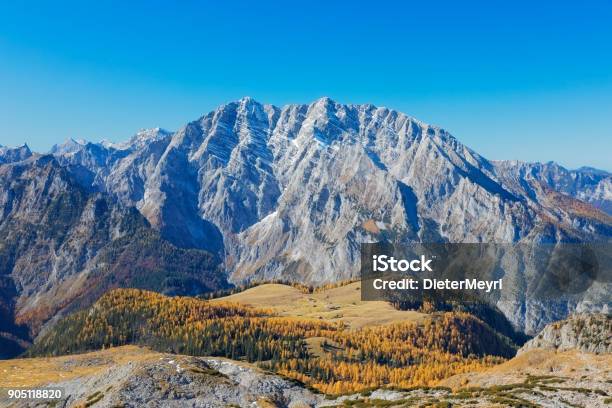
(276, 185)
(181, 381)
(583, 331)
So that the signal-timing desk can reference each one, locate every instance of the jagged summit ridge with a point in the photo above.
(14, 154)
(143, 136)
(267, 150)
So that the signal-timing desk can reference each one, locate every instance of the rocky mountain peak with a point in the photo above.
(14, 154)
(324, 104)
(148, 135)
(70, 145)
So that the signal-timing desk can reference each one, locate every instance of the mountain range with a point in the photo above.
(254, 192)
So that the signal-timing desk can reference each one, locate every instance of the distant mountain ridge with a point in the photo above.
(586, 184)
(14, 154)
(291, 192)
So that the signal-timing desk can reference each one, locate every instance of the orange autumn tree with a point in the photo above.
(401, 355)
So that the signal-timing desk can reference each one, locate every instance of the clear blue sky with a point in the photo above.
(529, 80)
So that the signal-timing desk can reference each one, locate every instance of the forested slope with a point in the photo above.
(400, 354)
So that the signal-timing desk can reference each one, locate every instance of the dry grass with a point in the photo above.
(316, 347)
(31, 372)
(571, 364)
(370, 226)
(341, 304)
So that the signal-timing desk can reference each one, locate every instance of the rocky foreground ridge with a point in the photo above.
(586, 332)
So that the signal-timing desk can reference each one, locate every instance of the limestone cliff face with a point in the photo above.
(268, 187)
